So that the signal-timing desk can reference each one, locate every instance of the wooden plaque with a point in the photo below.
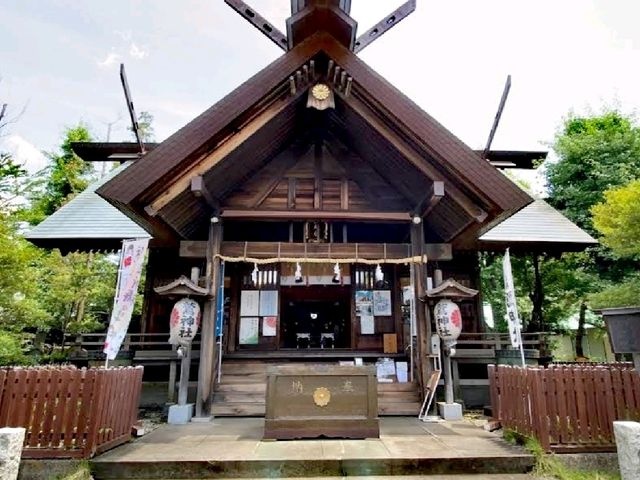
(390, 343)
(310, 401)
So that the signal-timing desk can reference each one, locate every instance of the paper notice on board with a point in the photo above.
(367, 326)
(382, 303)
(269, 326)
(249, 303)
(248, 331)
(268, 303)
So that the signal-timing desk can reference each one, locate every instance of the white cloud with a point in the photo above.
(24, 153)
(112, 59)
(125, 36)
(137, 52)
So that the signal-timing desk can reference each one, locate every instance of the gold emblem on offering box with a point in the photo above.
(321, 396)
(320, 91)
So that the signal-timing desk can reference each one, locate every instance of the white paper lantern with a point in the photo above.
(184, 323)
(448, 320)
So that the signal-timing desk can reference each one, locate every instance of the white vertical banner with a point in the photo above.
(129, 270)
(513, 320)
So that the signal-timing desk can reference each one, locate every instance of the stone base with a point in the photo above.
(11, 440)
(180, 414)
(208, 419)
(628, 443)
(450, 411)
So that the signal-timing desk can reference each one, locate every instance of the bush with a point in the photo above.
(11, 350)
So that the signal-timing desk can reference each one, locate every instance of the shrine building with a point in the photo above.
(320, 204)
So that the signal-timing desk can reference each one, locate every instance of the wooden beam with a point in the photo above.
(496, 120)
(427, 169)
(200, 190)
(284, 163)
(430, 200)
(344, 194)
(258, 21)
(291, 193)
(204, 395)
(317, 214)
(182, 181)
(384, 25)
(317, 173)
(423, 327)
(198, 249)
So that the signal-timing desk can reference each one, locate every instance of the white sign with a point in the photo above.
(248, 331)
(367, 325)
(131, 261)
(513, 320)
(269, 326)
(382, 303)
(249, 303)
(268, 303)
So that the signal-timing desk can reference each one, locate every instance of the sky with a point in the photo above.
(59, 63)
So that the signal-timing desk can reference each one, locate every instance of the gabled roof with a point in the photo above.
(376, 119)
(87, 221)
(540, 224)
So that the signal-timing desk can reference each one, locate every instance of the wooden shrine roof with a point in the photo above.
(538, 226)
(261, 118)
(87, 222)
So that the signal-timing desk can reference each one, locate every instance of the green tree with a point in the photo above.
(145, 127)
(594, 154)
(11, 177)
(618, 219)
(66, 176)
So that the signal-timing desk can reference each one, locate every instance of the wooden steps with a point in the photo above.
(242, 392)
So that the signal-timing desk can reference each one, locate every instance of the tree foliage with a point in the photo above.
(618, 219)
(595, 154)
(145, 127)
(66, 175)
(43, 294)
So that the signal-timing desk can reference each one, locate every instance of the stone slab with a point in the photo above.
(180, 414)
(628, 444)
(233, 448)
(450, 411)
(11, 440)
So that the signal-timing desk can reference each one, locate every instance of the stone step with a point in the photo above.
(437, 467)
(238, 409)
(257, 379)
(256, 408)
(224, 397)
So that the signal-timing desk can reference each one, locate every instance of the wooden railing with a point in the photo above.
(69, 412)
(499, 341)
(566, 408)
(132, 341)
(160, 341)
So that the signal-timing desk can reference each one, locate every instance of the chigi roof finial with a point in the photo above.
(331, 16)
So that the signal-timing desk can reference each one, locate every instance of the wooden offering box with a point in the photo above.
(321, 401)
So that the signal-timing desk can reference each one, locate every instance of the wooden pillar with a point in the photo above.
(423, 329)
(206, 371)
(148, 299)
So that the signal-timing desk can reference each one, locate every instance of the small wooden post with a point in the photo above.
(185, 366)
(208, 344)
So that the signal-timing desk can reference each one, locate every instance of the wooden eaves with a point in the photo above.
(142, 183)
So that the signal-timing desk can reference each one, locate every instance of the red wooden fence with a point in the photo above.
(567, 408)
(69, 412)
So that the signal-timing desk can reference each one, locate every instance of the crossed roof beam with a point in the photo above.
(282, 41)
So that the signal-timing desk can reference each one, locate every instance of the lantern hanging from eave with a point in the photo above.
(448, 321)
(184, 322)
